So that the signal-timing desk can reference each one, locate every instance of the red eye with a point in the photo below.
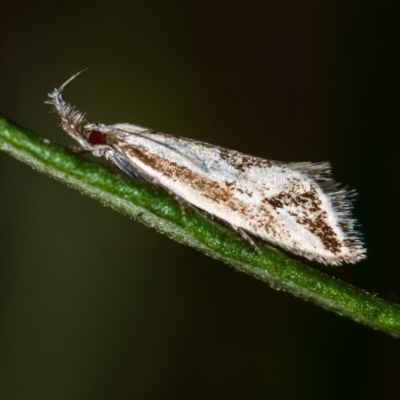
(95, 137)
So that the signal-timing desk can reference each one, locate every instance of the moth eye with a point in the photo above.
(95, 137)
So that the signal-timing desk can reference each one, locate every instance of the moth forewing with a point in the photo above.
(296, 206)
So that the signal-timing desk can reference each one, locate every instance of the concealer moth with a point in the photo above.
(295, 206)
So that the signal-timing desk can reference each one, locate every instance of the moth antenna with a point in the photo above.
(72, 120)
(62, 87)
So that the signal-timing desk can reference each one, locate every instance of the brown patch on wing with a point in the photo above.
(306, 209)
(208, 187)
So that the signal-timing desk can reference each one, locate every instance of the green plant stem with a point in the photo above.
(160, 211)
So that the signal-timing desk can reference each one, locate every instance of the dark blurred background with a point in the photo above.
(96, 306)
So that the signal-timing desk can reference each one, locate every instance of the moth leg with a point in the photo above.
(248, 238)
(77, 149)
(182, 204)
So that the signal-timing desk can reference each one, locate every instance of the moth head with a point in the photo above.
(95, 137)
(95, 134)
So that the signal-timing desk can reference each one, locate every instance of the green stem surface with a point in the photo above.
(160, 211)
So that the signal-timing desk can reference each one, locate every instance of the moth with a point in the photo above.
(295, 206)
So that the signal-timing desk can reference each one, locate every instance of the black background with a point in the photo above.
(96, 306)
